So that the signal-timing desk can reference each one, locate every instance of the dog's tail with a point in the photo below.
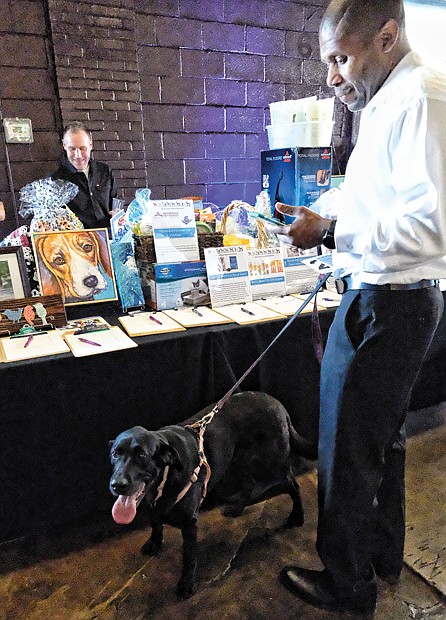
(299, 444)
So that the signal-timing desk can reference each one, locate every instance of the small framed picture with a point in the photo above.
(76, 264)
(14, 282)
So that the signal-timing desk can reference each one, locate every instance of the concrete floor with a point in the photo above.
(93, 573)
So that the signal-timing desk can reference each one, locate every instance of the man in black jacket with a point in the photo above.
(93, 202)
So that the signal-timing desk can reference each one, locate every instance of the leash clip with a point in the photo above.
(207, 419)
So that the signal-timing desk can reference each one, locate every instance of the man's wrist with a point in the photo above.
(328, 239)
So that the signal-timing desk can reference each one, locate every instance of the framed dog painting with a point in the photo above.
(75, 263)
(14, 282)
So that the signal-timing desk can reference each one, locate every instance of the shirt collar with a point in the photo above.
(406, 65)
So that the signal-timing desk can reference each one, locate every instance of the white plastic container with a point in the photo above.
(312, 133)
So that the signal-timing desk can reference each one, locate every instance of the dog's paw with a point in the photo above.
(294, 520)
(185, 588)
(150, 548)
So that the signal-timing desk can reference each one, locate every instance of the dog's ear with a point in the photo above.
(167, 455)
(100, 239)
(50, 282)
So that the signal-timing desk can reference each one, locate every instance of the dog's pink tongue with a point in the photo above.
(124, 509)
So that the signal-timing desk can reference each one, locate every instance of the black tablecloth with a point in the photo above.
(59, 414)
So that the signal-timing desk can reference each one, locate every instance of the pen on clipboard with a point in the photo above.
(92, 342)
(197, 312)
(28, 341)
(246, 311)
(152, 318)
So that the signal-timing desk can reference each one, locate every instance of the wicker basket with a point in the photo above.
(262, 241)
(145, 246)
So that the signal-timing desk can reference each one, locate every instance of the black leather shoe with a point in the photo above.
(315, 587)
(390, 575)
(391, 578)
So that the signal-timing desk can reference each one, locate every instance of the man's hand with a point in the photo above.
(2, 211)
(307, 229)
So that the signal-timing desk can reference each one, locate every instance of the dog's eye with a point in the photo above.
(59, 260)
(140, 455)
(87, 247)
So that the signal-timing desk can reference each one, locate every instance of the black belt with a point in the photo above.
(352, 284)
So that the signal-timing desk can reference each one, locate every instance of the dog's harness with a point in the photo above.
(208, 417)
(202, 461)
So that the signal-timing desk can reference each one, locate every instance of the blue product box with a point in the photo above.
(171, 285)
(296, 175)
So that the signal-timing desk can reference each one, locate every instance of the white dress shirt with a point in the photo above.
(391, 222)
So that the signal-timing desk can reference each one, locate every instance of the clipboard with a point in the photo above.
(251, 312)
(286, 305)
(197, 317)
(148, 323)
(96, 343)
(31, 345)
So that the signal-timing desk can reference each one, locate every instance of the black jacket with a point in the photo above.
(93, 201)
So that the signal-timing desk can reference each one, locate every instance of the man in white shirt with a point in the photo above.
(390, 239)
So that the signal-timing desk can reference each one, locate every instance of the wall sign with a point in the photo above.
(18, 130)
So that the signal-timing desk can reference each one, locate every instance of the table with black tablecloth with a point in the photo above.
(58, 414)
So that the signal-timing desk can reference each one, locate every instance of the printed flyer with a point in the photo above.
(300, 277)
(174, 231)
(228, 275)
(266, 272)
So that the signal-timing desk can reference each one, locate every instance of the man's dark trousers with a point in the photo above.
(374, 351)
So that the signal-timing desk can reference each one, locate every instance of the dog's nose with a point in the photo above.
(91, 281)
(119, 485)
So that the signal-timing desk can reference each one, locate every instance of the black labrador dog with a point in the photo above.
(249, 446)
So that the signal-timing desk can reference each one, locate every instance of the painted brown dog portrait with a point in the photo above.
(75, 263)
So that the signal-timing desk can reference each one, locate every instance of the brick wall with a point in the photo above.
(98, 81)
(27, 90)
(176, 92)
(208, 72)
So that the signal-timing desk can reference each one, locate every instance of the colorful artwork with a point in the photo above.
(77, 264)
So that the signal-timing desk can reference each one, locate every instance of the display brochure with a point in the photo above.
(287, 305)
(249, 313)
(104, 341)
(38, 344)
(174, 231)
(228, 275)
(197, 317)
(299, 276)
(266, 272)
(321, 264)
(148, 323)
